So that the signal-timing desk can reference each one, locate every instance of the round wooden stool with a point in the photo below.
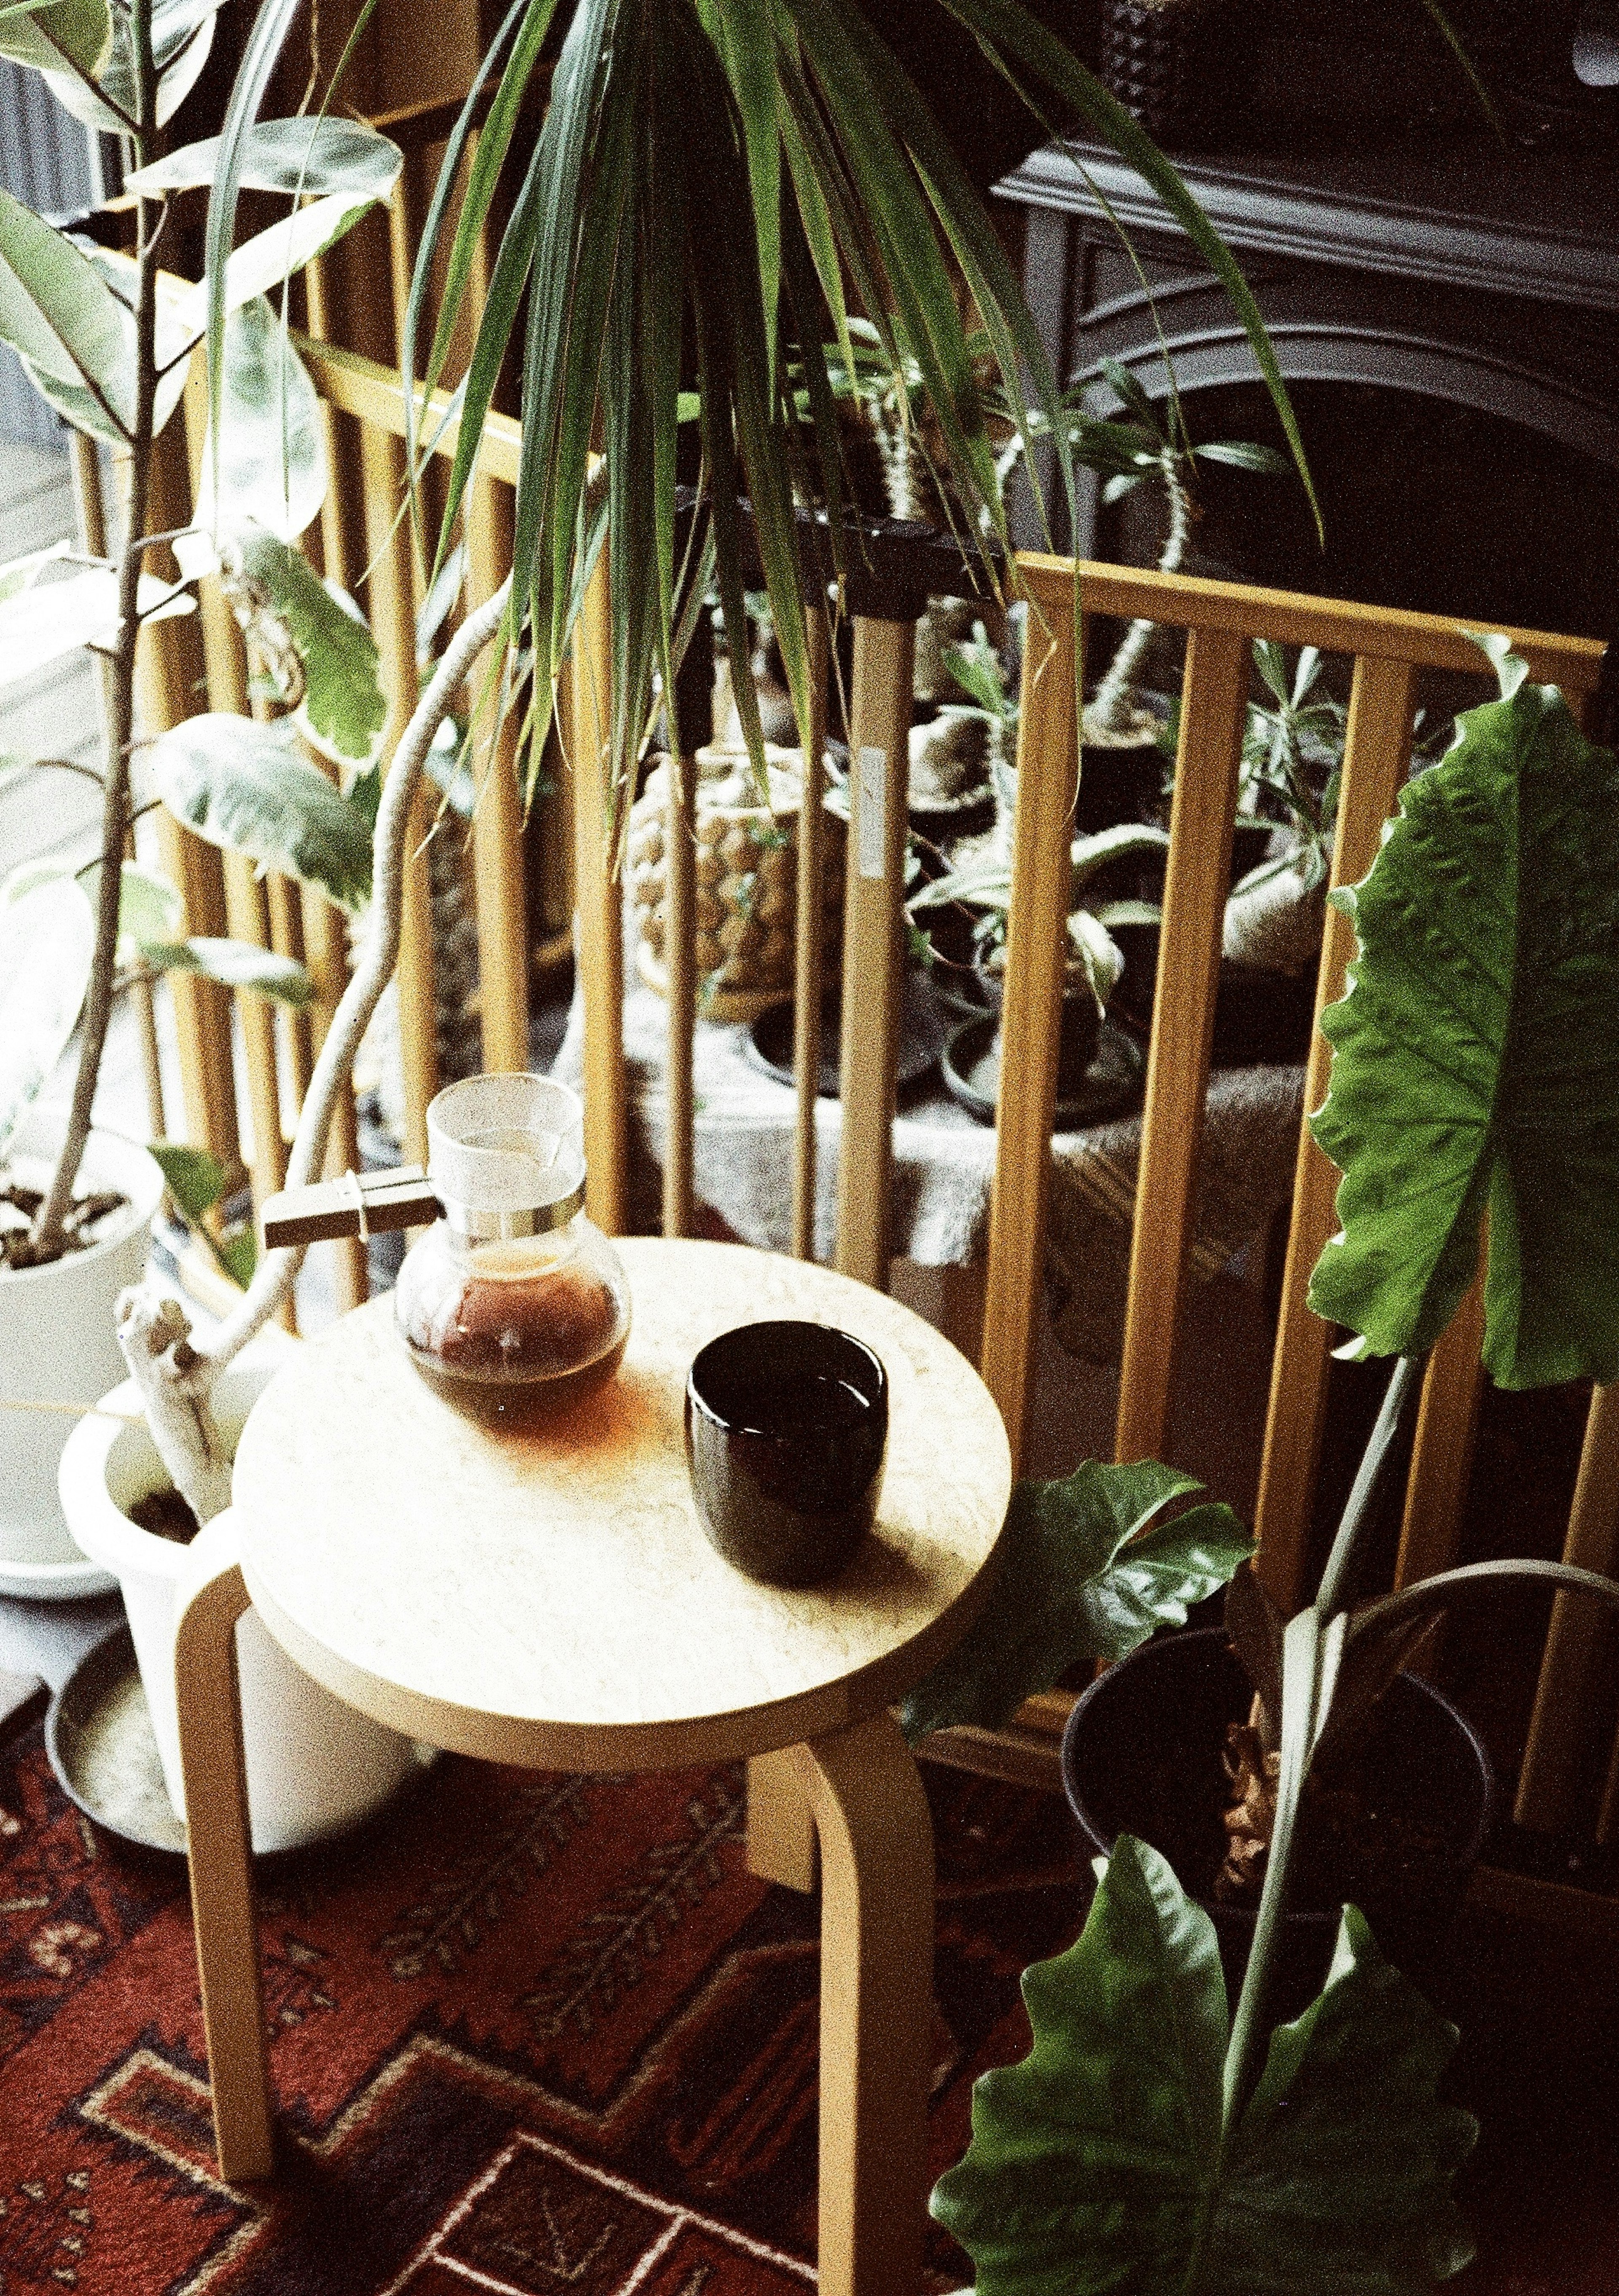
(549, 1598)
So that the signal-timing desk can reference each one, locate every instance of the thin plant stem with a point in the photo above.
(1405, 1383)
(46, 1240)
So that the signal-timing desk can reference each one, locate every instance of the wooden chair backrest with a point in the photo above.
(360, 536)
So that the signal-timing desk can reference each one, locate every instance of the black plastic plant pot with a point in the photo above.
(1141, 1755)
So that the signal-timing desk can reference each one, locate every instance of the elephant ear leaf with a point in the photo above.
(1475, 1061)
(1084, 1573)
(1088, 2159)
(1096, 2163)
(1338, 2177)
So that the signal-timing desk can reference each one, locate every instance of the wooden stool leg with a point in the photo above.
(781, 1825)
(876, 2007)
(221, 1868)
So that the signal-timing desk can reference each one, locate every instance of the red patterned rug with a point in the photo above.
(535, 2033)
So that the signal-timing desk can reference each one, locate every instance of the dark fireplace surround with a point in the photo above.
(1448, 322)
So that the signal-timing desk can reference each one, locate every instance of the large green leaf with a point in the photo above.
(308, 157)
(272, 457)
(40, 624)
(1095, 2164)
(56, 308)
(247, 787)
(234, 964)
(264, 260)
(48, 940)
(342, 700)
(43, 35)
(1476, 1061)
(182, 36)
(1081, 1577)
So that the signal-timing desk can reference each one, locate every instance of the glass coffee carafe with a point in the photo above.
(515, 1299)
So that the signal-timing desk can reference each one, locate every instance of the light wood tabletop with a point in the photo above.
(549, 1597)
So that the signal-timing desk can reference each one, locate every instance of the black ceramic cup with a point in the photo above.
(785, 1429)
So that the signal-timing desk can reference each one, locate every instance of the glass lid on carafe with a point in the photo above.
(507, 1154)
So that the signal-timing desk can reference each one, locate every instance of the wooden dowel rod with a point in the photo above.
(874, 941)
(1213, 713)
(1036, 932)
(1442, 1450)
(681, 961)
(1580, 1644)
(587, 727)
(1376, 757)
(809, 928)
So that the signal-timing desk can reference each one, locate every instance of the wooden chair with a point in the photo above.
(1389, 650)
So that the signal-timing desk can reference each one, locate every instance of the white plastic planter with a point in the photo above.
(58, 1344)
(315, 1767)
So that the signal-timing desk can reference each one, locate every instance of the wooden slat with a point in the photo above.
(1442, 1451)
(371, 392)
(170, 669)
(1334, 625)
(874, 943)
(393, 622)
(810, 927)
(1037, 929)
(497, 870)
(1376, 757)
(246, 897)
(680, 989)
(1213, 709)
(326, 940)
(587, 722)
(1579, 1642)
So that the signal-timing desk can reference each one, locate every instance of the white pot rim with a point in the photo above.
(100, 1527)
(142, 1204)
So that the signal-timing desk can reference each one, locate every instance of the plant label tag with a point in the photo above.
(873, 845)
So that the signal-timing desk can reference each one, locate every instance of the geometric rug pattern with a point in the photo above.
(536, 2035)
(531, 2033)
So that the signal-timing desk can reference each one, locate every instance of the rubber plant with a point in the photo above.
(107, 340)
(1153, 2139)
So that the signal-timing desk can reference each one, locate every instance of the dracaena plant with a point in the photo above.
(107, 338)
(1156, 2138)
(718, 185)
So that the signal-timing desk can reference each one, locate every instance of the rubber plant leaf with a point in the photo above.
(342, 697)
(196, 1178)
(48, 942)
(247, 787)
(234, 964)
(1475, 1064)
(305, 157)
(1085, 1573)
(272, 458)
(182, 36)
(43, 36)
(1096, 2162)
(52, 618)
(59, 312)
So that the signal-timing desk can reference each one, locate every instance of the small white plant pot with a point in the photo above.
(59, 1346)
(315, 1765)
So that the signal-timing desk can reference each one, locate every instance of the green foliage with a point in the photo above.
(233, 964)
(305, 157)
(58, 312)
(182, 34)
(1476, 1054)
(197, 1182)
(47, 940)
(1097, 2163)
(1081, 1576)
(272, 454)
(342, 698)
(47, 619)
(245, 786)
(80, 31)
